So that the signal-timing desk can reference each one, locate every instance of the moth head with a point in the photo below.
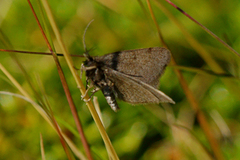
(87, 56)
(90, 63)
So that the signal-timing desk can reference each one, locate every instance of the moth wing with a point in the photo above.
(146, 65)
(133, 90)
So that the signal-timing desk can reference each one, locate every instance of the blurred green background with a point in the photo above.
(137, 132)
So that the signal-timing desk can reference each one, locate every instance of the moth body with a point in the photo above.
(95, 72)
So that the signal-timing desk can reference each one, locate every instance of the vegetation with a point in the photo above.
(203, 80)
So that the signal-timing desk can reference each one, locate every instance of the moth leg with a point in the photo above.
(83, 96)
(86, 100)
(81, 70)
(93, 92)
(90, 97)
(87, 68)
(88, 87)
(84, 68)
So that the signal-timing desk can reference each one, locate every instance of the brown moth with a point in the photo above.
(131, 75)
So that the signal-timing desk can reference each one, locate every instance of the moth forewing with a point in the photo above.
(134, 91)
(146, 64)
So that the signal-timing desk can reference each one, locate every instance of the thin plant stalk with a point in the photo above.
(205, 28)
(192, 100)
(80, 85)
(201, 51)
(198, 47)
(40, 53)
(44, 114)
(66, 90)
(42, 148)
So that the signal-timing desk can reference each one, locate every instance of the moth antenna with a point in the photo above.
(84, 44)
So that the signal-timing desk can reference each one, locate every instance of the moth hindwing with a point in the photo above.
(131, 75)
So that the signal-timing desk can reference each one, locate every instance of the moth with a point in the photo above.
(131, 75)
